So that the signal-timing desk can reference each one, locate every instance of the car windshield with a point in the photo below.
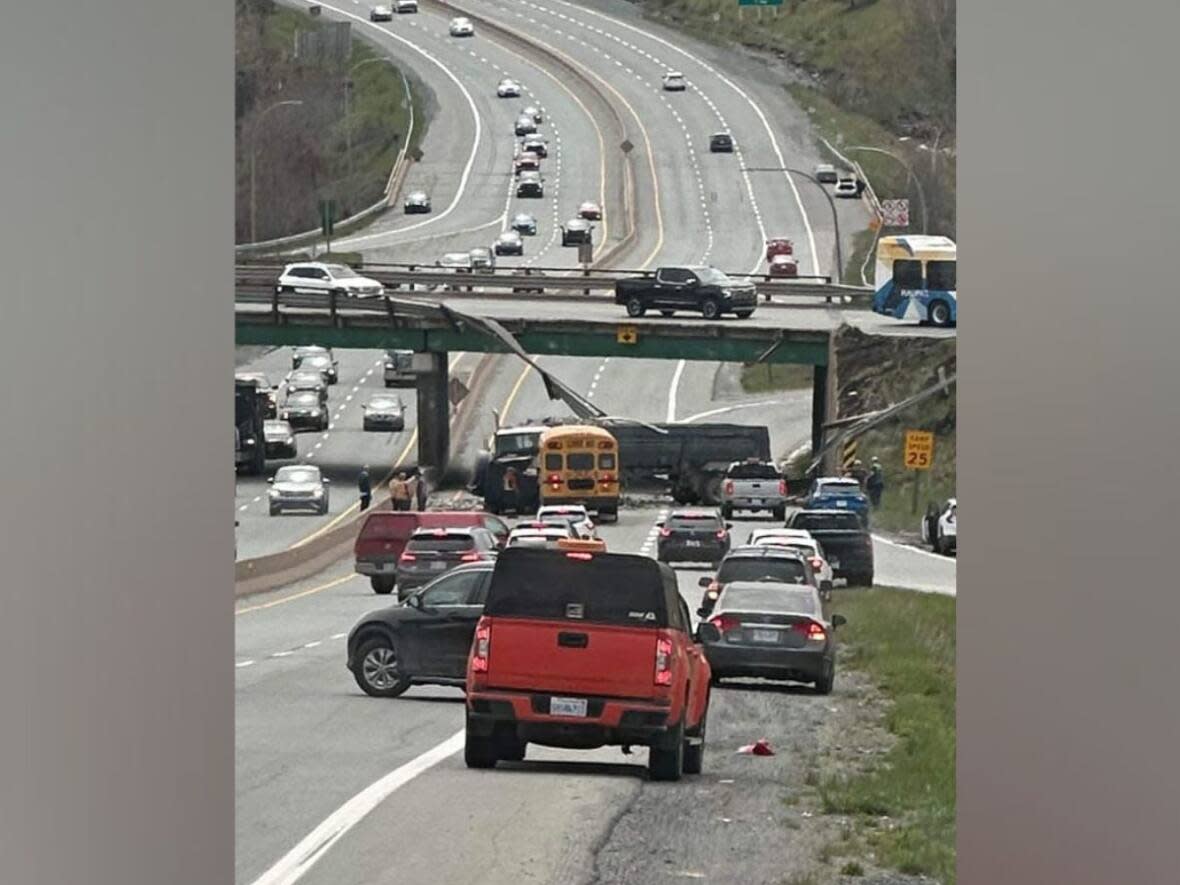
(297, 474)
(523, 219)
(306, 379)
(341, 272)
(383, 403)
(826, 521)
(277, 427)
(754, 568)
(768, 598)
(517, 443)
(303, 399)
(754, 471)
(712, 275)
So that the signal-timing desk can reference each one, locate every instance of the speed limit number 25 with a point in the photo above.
(919, 449)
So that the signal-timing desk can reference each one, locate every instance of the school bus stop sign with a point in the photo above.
(919, 449)
(627, 334)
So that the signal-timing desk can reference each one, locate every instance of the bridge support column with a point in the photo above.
(434, 410)
(819, 406)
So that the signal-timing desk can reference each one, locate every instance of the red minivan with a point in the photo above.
(384, 533)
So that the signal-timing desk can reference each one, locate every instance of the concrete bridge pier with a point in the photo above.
(819, 406)
(434, 410)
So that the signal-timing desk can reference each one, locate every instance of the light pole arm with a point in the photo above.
(909, 171)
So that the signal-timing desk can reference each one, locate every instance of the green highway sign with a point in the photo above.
(760, 2)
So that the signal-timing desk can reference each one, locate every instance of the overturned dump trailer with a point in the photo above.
(691, 458)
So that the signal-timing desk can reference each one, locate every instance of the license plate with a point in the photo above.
(841, 503)
(757, 501)
(567, 706)
(834, 563)
(437, 566)
(692, 543)
(765, 636)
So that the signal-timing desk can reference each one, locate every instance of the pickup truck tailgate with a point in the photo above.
(568, 657)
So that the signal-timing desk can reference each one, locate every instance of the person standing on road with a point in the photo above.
(858, 472)
(875, 484)
(511, 485)
(420, 490)
(365, 486)
(399, 492)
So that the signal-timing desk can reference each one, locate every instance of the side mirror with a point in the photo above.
(660, 524)
(704, 582)
(326, 481)
(271, 480)
(707, 632)
(838, 621)
(728, 526)
(414, 601)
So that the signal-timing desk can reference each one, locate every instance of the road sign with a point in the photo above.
(327, 217)
(760, 2)
(895, 213)
(626, 146)
(627, 334)
(456, 391)
(919, 449)
(848, 454)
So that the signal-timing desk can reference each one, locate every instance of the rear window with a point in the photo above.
(606, 462)
(704, 521)
(553, 461)
(768, 599)
(753, 568)
(754, 471)
(449, 544)
(580, 461)
(822, 521)
(839, 488)
(601, 589)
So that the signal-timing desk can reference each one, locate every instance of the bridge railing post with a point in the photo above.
(332, 306)
(274, 304)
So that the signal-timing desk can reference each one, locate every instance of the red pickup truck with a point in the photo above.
(580, 650)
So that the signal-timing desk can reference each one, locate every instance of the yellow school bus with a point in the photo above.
(578, 464)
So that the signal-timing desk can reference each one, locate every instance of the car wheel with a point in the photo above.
(478, 752)
(940, 313)
(779, 514)
(665, 761)
(382, 585)
(667, 313)
(635, 308)
(324, 509)
(274, 511)
(694, 753)
(727, 511)
(510, 748)
(710, 309)
(824, 684)
(744, 314)
(377, 673)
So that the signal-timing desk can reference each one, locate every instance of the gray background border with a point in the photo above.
(116, 730)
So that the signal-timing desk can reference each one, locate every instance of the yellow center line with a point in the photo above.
(293, 596)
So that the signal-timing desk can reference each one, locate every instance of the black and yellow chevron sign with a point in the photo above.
(848, 454)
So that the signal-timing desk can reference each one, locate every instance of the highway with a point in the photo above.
(334, 786)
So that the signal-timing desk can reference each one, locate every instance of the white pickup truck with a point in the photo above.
(754, 485)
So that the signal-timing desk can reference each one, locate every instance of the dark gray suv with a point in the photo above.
(433, 552)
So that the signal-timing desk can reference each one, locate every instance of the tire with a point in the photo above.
(381, 584)
(635, 308)
(710, 309)
(711, 491)
(940, 313)
(727, 511)
(694, 755)
(377, 673)
(667, 313)
(779, 514)
(665, 763)
(824, 684)
(744, 314)
(511, 748)
(479, 752)
(274, 511)
(324, 509)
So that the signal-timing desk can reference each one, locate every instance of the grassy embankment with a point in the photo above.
(905, 642)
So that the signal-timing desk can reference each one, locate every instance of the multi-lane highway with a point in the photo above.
(334, 786)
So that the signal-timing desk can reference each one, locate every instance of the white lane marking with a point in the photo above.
(338, 636)
(317, 642)
(699, 415)
(946, 559)
(293, 865)
(282, 654)
(466, 174)
(672, 389)
(240, 664)
(245, 506)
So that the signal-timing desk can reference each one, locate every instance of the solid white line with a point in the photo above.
(338, 636)
(282, 654)
(317, 642)
(673, 388)
(721, 411)
(241, 664)
(293, 865)
(901, 546)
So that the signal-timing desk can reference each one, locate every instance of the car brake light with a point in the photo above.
(554, 478)
(407, 556)
(816, 562)
(729, 487)
(665, 532)
(721, 534)
(576, 555)
(440, 533)
(782, 487)
(610, 477)
(663, 661)
(725, 623)
(470, 557)
(811, 630)
(483, 648)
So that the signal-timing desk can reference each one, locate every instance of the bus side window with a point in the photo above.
(907, 273)
(940, 275)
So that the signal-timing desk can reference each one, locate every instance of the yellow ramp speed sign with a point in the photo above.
(919, 449)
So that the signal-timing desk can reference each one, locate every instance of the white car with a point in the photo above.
(508, 88)
(381, 14)
(590, 211)
(534, 112)
(404, 6)
(846, 187)
(528, 536)
(825, 173)
(940, 527)
(298, 487)
(674, 82)
(312, 276)
(524, 125)
(462, 27)
(801, 540)
(460, 262)
(575, 515)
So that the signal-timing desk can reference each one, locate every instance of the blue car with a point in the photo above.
(838, 493)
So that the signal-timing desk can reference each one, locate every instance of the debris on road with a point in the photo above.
(760, 747)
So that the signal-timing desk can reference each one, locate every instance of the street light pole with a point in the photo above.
(835, 217)
(348, 85)
(910, 172)
(253, 158)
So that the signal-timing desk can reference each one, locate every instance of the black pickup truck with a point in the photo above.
(845, 539)
(700, 289)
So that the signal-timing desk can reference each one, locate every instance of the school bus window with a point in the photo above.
(606, 461)
(907, 274)
(580, 461)
(552, 461)
(941, 275)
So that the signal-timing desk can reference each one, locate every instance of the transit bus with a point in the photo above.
(579, 464)
(916, 279)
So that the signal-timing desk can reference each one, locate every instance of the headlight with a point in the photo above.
(314, 412)
(250, 441)
(319, 493)
(274, 493)
(290, 440)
